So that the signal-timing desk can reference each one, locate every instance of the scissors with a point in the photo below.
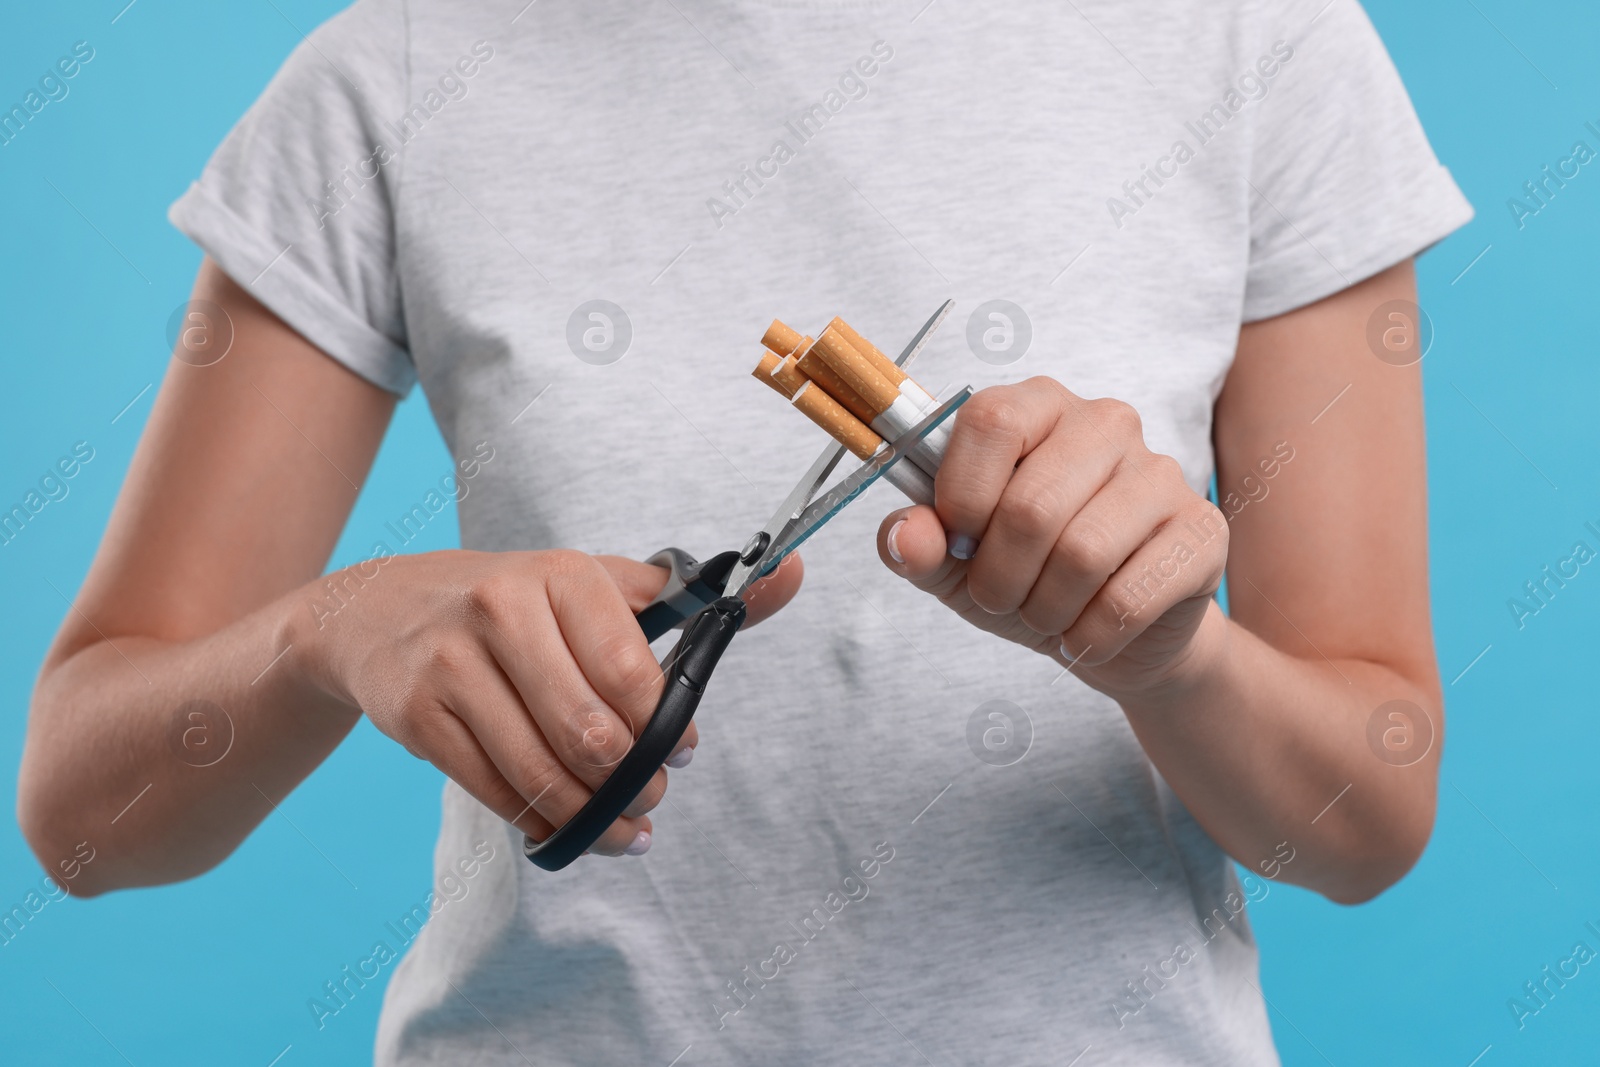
(697, 597)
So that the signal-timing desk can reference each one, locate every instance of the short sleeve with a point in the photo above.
(297, 204)
(1344, 182)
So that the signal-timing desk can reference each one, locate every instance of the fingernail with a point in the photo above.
(892, 542)
(640, 846)
(681, 758)
(962, 546)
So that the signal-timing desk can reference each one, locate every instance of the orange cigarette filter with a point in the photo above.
(857, 371)
(885, 365)
(813, 367)
(787, 377)
(763, 373)
(782, 339)
(844, 427)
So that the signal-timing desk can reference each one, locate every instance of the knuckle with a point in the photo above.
(993, 414)
(635, 673)
(1118, 418)
(1032, 515)
(448, 661)
(500, 794)
(1098, 656)
(492, 595)
(566, 563)
(985, 596)
(536, 784)
(1211, 524)
(407, 727)
(1086, 548)
(597, 740)
(1161, 465)
(1037, 619)
(1092, 641)
(1052, 387)
(1208, 516)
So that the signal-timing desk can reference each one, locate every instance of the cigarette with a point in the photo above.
(892, 413)
(851, 432)
(899, 417)
(917, 394)
(814, 367)
(787, 377)
(763, 373)
(939, 438)
(911, 480)
(857, 371)
(923, 400)
(885, 365)
(888, 368)
(831, 415)
(784, 340)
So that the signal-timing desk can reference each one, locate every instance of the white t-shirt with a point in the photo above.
(862, 865)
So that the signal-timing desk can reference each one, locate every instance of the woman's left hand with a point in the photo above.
(1056, 527)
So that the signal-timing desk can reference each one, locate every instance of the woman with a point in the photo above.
(1181, 238)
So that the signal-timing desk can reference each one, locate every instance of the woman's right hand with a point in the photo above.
(523, 676)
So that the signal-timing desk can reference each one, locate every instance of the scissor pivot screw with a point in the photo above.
(754, 547)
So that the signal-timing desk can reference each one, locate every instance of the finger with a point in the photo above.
(484, 699)
(649, 797)
(992, 431)
(585, 730)
(587, 736)
(1107, 531)
(764, 598)
(1179, 565)
(638, 582)
(911, 542)
(597, 628)
(683, 752)
(641, 582)
(1051, 485)
(447, 742)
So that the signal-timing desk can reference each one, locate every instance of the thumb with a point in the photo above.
(911, 542)
(775, 590)
(640, 582)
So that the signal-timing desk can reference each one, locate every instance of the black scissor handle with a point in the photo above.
(691, 585)
(687, 668)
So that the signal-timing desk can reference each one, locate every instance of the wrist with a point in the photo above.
(303, 637)
(1191, 672)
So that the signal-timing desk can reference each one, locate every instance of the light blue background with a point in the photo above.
(218, 970)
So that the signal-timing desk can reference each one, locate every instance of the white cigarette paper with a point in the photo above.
(899, 417)
(912, 481)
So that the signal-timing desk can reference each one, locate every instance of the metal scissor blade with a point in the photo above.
(825, 507)
(920, 341)
(789, 511)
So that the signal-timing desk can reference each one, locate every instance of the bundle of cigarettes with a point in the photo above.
(841, 382)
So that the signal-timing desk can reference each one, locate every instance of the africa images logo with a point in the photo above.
(851, 85)
(1249, 87)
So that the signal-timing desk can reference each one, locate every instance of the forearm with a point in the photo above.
(1265, 748)
(165, 755)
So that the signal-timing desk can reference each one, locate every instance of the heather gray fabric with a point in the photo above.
(846, 874)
